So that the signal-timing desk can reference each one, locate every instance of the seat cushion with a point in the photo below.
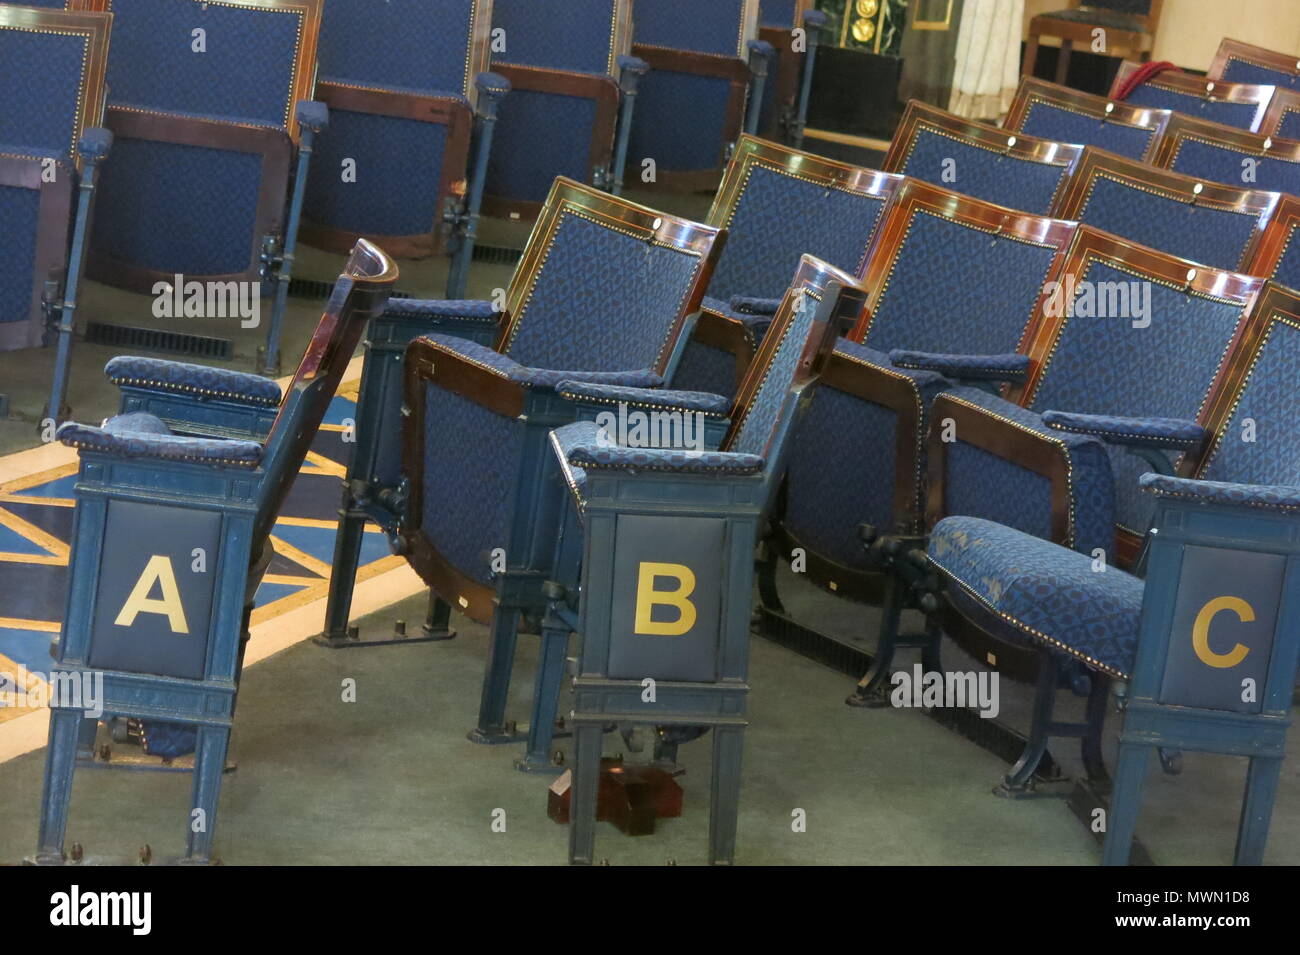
(1102, 18)
(1026, 589)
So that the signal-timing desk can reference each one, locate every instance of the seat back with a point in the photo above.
(692, 103)
(993, 262)
(720, 28)
(1254, 431)
(1206, 222)
(360, 294)
(40, 126)
(432, 47)
(1277, 256)
(68, 52)
(562, 60)
(1132, 332)
(574, 36)
(1011, 169)
(1238, 62)
(202, 106)
(1065, 115)
(1283, 115)
(1198, 147)
(604, 284)
(258, 58)
(783, 14)
(778, 203)
(1235, 104)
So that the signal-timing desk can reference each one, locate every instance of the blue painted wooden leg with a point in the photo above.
(343, 577)
(1257, 810)
(814, 21)
(60, 764)
(496, 679)
(546, 699)
(760, 56)
(1019, 781)
(209, 763)
(86, 738)
(312, 118)
(587, 740)
(437, 619)
(1126, 799)
(631, 69)
(93, 147)
(873, 689)
(491, 90)
(724, 804)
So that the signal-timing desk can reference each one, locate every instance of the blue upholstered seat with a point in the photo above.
(1026, 588)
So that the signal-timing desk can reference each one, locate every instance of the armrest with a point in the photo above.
(174, 377)
(119, 436)
(1279, 497)
(312, 114)
(815, 20)
(630, 71)
(648, 399)
(761, 54)
(1173, 433)
(95, 143)
(492, 89)
(588, 447)
(1013, 367)
(470, 309)
(750, 305)
(545, 379)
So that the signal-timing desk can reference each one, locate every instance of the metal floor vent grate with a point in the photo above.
(497, 254)
(153, 339)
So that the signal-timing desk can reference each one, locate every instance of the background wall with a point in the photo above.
(1190, 30)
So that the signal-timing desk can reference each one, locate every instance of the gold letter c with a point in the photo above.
(1201, 632)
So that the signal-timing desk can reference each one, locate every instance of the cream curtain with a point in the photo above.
(988, 58)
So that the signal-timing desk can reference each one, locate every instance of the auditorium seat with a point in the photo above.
(407, 85)
(1238, 62)
(696, 100)
(777, 204)
(695, 516)
(1064, 115)
(1196, 219)
(573, 93)
(1206, 150)
(859, 458)
(1223, 525)
(1010, 169)
(145, 499)
(51, 145)
(1036, 460)
(1235, 104)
